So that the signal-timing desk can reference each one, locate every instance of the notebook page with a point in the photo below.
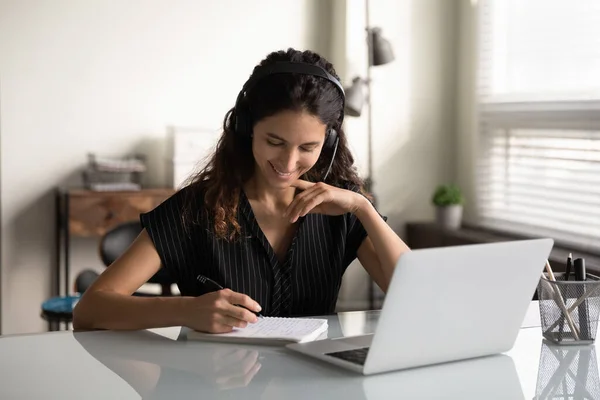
(267, 327)
(293, 329)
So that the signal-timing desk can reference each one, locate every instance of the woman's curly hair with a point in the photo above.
(220, 182)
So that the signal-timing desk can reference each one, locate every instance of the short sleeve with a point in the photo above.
(356, 233)
(164, 225)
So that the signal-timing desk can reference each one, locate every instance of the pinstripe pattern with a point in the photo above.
(307, 282)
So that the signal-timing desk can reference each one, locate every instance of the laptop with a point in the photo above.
(444, 304)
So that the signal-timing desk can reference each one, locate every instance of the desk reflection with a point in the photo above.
(157, 367)
(567, 372)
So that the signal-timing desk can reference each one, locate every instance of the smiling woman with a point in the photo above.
(284, 158)
(275, 217)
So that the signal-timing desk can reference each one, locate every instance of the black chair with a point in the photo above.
(114, 243)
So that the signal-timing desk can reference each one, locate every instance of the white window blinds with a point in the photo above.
(539, 119)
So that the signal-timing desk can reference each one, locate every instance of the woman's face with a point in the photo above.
(287, 145)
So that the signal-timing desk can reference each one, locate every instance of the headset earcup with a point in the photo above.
(241, 120)
(236, 120)
(330, 140)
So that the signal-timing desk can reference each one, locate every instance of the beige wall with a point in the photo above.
(466, 143)
(414, 112)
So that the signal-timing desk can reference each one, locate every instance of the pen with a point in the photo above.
(214, 286)
(569, 266)
(209, 283)
(559, 300)
(566, 292)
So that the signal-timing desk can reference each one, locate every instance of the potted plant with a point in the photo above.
(448, 200)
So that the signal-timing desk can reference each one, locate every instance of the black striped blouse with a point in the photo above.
(307, 282)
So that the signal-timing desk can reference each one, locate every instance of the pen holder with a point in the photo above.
(569, 310)
(567, 372)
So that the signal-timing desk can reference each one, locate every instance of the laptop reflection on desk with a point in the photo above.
(492, 377)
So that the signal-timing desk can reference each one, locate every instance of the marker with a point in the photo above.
(580, 276)
(214, 286)
(579, 268)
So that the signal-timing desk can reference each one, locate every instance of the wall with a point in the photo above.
(1, 282)
(80, 76)
(467, 138)
(414, 117)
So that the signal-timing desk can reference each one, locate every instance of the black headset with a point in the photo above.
(242, 121)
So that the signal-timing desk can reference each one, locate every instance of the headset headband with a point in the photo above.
(286, 67)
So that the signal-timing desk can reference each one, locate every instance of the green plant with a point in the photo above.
(447, 195)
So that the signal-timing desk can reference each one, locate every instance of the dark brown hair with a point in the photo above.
(220, 182)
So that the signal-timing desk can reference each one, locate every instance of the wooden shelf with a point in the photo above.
(88, 213)
(91, 213)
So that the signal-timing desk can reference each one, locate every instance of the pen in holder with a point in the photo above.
(569, 310)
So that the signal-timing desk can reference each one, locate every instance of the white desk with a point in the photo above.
(161, 364)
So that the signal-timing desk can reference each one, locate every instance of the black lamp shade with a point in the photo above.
(355, 98)
(382, 52)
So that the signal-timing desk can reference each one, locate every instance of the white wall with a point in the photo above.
(80, 76)
(466, 132)
(414, 121)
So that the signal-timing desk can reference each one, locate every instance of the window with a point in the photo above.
(538, 169)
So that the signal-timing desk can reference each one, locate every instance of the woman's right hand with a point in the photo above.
(220, 311)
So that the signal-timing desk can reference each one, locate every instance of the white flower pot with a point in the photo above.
(449, 217)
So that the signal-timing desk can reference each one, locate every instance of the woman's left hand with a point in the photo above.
(321, 198)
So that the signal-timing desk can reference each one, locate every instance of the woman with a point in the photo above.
(275, 217)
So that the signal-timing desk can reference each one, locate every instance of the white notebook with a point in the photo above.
(270, 330)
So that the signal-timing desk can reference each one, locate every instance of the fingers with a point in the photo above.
(312, 202)
(242, 300)
(304, 205)
(219, 312)
(293, 207)
(240, 314)
(232, 309)
(220, 323)
(230, 321)
(306, 193)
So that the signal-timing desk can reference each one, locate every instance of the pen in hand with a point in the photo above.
(214, 286)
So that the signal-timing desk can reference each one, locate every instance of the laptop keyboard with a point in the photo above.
(356, 356)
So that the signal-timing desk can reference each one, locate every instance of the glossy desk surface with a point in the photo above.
(161, 364)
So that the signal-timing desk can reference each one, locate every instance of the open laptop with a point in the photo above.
(444, 304)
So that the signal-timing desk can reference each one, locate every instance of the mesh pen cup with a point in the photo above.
(569, 310)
